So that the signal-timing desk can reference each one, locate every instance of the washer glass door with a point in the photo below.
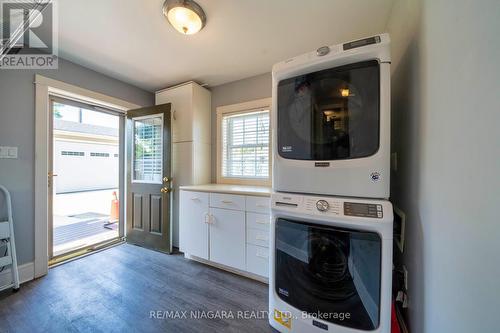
(329, 273)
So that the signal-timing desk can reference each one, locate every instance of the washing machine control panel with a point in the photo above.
(329, 206)
(322, 205)
(326, 205)
(362, 209)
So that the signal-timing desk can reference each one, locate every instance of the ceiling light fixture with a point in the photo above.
(186, 16)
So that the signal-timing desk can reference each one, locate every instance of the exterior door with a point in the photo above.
(148, 177)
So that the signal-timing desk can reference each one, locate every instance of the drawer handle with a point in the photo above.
(265, 256)
(226, 201)
(261, 238)
(195, 198)
(262, 205)
(261, 222)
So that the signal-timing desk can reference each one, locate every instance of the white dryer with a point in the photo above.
(331, 120)
(330, 264)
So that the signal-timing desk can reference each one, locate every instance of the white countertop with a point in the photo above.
(261, 191)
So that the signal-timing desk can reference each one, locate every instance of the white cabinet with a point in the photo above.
(258, 205)
(227, 201)
(190, 111)
(227, 237)
(191, 146)
(231, 235)
(194, 213)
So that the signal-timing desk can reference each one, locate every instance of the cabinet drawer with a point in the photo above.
(258, 237)
(258, 204)
(258, 260)
(258, 221)
(227, 201)
(195, 198)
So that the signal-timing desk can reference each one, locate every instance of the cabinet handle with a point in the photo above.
(227, 201)
(262, 205)
(265, 256)
(207, 218)
(195, 198)
(261, 238)
(211, 219)
(261, 222)
(173, 115)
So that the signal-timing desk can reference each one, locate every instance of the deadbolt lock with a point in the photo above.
(165, 190)
(166, 179)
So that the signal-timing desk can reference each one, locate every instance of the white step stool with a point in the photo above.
(7, 241)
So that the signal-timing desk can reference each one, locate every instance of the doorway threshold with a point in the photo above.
(85, 251)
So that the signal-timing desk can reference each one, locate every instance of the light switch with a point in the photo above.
(8, 152)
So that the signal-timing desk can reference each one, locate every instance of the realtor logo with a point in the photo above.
(28, 34)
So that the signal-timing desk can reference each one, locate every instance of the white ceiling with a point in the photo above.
(131, 40)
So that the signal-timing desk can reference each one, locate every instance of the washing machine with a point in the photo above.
(330, 264)
(331, 120)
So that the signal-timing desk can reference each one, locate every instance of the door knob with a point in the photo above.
(165, 190)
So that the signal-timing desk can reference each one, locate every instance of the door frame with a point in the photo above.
(44, 87)
(121, 173)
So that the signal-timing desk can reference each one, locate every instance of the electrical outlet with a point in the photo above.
(8, 152)
(405, 277)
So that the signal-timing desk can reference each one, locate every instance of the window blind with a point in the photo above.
(245, 145)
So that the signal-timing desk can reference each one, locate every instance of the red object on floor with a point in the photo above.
(394, 320)
(115, 209)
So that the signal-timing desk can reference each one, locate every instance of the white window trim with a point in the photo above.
(256, 105)
(44, 87)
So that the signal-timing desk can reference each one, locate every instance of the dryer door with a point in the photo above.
(329, 273)
(332, 114)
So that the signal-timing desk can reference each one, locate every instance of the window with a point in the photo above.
(148, 149)
(244, 143)
(99, 154)
(72, 153)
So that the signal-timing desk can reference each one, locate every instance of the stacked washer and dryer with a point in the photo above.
(331, 227)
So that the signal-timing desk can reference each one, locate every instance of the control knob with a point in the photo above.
(322, 205)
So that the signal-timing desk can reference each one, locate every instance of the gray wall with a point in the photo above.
(446, 111)
(245, 90)
(17, 128)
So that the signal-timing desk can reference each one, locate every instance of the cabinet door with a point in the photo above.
(227, 237)
(193, 223)
(182, 159)
(181, 98)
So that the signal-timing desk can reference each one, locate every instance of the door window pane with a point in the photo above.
(331, 114)
(148, 149)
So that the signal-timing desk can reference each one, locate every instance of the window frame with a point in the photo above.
(233, 109)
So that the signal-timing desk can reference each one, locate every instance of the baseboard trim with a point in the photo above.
(228, 269)
(26, 273)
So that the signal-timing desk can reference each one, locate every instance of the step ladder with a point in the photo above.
(7, 243)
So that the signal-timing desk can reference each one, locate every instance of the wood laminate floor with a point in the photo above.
(119, 289)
